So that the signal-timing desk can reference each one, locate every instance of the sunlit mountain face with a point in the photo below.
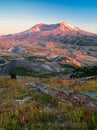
(58, 42)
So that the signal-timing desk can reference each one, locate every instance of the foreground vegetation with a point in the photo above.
(24, 109)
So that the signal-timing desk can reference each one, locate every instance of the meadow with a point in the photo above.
(25, 109)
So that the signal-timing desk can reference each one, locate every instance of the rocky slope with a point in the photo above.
(60, 43)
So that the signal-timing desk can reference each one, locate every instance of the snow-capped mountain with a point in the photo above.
(53, 40)
(60, 28)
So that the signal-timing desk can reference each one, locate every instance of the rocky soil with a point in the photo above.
(64, 95)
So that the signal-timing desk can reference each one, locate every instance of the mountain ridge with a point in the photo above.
(65, 27)
(51, 41)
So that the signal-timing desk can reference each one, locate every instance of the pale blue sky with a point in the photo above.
(19, 15)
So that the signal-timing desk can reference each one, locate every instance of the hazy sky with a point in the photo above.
(20, 15)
